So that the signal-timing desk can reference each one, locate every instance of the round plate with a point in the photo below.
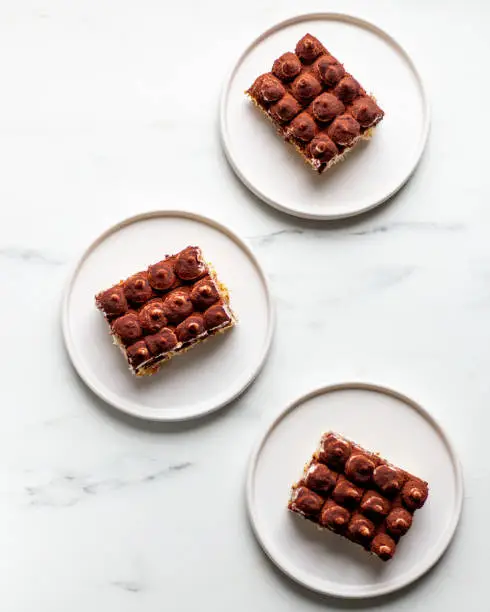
(208, 376)
(375, 169)
(380, 420)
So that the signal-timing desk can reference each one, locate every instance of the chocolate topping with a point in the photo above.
(320, 478)
(127, 328)
(414, 494)
(329, 70)
(161, 275)
(305, 88)
(388, 479)
(113, 301)
(286, 109)
(358, 511)
(268, 88)
(162, 342)
(189, 265)
(365, 111)
(375, 505)
(334, 516)
(346, 493)
(286, 67)
(383, 546)
(145, 329)
(137, 288)
(307, 501)
(177, 305)
(215, 316)
(360, 528)
(315, 82)
(190, 329)
(323, 148)
(303, 127)
(347, 89)
(308, 48)
(344, 130)
(138, 353)
(152, 316)
(204, 294)
(398, 521)
(359, 468)
(334, 450)
(326, 107)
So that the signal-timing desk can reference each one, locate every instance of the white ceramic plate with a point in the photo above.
(208, 376)
(372, 172)
(380, 420)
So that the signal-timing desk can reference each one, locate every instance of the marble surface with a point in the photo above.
(97, 122)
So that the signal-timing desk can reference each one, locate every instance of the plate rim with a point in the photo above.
(331, 16)
(160, 415)
(365, 386)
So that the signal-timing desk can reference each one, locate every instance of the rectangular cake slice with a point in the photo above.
(315, 104)
(358, 495)
(166, 309)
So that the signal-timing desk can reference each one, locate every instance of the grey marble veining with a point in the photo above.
(265, 239)
(128, 586)
(395, 226)
(27, 255)
(99, 121)
(70, 488)
(411, 226)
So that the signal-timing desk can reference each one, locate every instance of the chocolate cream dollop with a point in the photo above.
(347, 89)
(323, 148)
(414, 494)
(204, 294)
(365, 111)
(162, 342)
(138, 353)
(161, 275)
(346, 493)
(398, 521)
(306, 501)
(333, 516)
(268, 88)
(359, 468)
(360, 528)
(191, 328)
(305, 88)
(309, 48)
(303, 127)
(320, 478)
(152, 316)
(329, 70)
(286, 109)
(344, 130)
(177, 305)
(388, 479)
(137, 289)
(383, 546)
(326, 107)
(334, 450)
(189, 265)
(286, 67)
(113, 301)
(128, 328)
(216, 316)
(375, 505)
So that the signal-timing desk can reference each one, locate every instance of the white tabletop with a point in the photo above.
(98, 122)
